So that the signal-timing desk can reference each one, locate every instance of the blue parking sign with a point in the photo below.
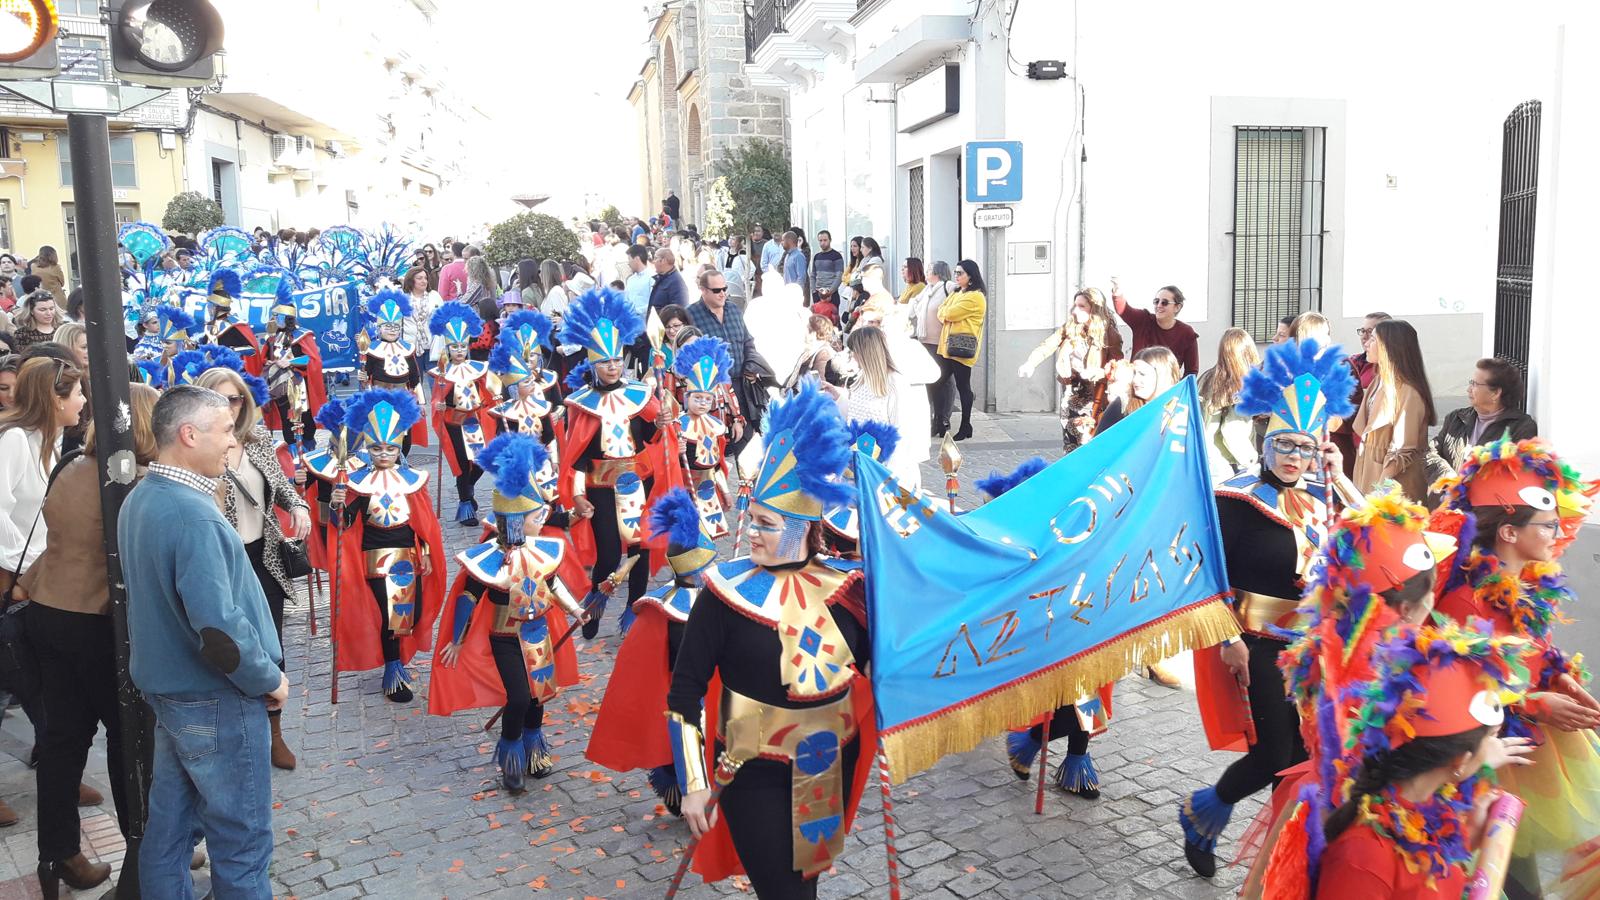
(994, 171)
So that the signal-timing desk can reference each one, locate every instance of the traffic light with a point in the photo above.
(28, 39)
(168, 43)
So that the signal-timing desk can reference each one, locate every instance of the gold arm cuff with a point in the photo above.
(688, 753)
(1258, 612)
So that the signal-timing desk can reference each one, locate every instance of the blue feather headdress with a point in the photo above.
(382, 416)
(259, 392)
(187, 366)
(704, 364)
(331, 415)
(997, 483)
(221, 357)
(225, 287)
(876, 439)
(175, 323)
(675, 515)
(144, 241)
(225, 242)
(1300, 386)
(506, 359)
(807, 449)
(579, 376)
(531, 327)
(389, 306)
(456, 322)
(602, 322)
(514, 459)
(151, 373)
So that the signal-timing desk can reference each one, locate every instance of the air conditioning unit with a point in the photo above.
(305, 145)
(29, 137)
(335, 149)
(283, 145)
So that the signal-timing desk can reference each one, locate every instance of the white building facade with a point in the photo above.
(1265, 158)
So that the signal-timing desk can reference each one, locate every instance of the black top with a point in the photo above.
(1260, 553)
(642, 427)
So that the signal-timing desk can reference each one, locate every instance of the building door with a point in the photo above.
(1519, 193)
(916, 215)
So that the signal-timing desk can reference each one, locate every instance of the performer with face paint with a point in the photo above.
(1519, 506)
(463, 389)
(506, 609)
(637, 691)
(293, 371)
(775, 647)
(702, 367)
(390, 363)
(392, 548)
(226, 328)
(328, 467)
(1273, 525)
(173, 332)
(618, 447)
(518, 361)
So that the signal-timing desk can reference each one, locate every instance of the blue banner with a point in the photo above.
(1107, 560)
(331, 312)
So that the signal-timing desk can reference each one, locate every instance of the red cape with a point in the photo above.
(630, 731)
(1223, 710)
(357, 624)
(473, 682)
(254, 363)
(657, 460)
(446, 446)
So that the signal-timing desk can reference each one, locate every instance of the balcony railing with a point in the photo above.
(762, 19)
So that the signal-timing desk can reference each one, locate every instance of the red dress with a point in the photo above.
(1361, 863)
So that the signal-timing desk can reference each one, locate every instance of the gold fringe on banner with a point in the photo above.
(918, 745)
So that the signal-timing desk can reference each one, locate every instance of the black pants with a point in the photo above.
(78, 666)
(1065, 724)
(467, 481)
(521, 712)
(608, 544)
(379, 587)
(758, 807)
(275, 597)
(308, 422)
(1278, 745)
(953, 373)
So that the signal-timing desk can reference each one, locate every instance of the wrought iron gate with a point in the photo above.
(1519, 194)
(915, 194)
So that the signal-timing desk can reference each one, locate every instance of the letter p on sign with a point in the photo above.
(994, 171)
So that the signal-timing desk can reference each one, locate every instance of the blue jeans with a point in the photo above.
(213, 778)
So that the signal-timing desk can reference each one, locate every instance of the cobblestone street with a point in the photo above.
(389, 802)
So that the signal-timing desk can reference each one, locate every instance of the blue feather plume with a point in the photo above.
(401, 300)
(513, 458)
(691, 353)
(455, 309)
(359, 406)
(258, 390)
(221, 357)
(331, 415)
(1263, 387)
(675, 516)
(154, 374)
(579, 376)
(506, 351)
(997, 483)
(822, 448)
(530, 318)
(886, 436)
(187, 366)
(226, 281)
(586, 312)
(174, 318)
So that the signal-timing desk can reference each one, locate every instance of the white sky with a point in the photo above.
(553, 76)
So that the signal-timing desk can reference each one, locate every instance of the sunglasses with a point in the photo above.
(720, 290)
(1162, 301)
(234, 400)
(1287, 447)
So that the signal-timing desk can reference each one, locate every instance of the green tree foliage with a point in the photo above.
(611, 216)
(759, 180)
(191, 212)
(532, 235)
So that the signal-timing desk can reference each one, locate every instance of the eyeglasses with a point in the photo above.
(1365, 332)
(234, 400)
(720, 290)
(1290, 447)
(1162, 301)
(1474, 383)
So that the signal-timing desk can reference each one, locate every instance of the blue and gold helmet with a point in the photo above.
(456, 322)
(689, 550)
(602, 322)
(225, 287)
(1301, 385)
(175, 324)
(704, 364)
(804, 459)
(381, 416)
(389, 307)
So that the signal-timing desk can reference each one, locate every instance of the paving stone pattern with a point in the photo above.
(390, 802)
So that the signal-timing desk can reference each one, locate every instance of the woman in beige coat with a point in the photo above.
(1395, 415)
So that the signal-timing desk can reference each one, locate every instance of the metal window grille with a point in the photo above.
(916, 201)
(124, 169)
(5, 223)
(122, 212)
(1519, 194)
(1277, 225)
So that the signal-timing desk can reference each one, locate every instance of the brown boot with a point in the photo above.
(8, 816)
(88, 796)
(282, 758)
(77, 872)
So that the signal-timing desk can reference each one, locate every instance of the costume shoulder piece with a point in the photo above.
(398, 480)
(762, 594)
(1267, 497)
(626, 400)
(673, 600)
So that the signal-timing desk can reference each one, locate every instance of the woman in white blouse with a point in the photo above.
(882, 387)
(47, 400)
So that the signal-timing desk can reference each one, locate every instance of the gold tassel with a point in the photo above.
(916, 747)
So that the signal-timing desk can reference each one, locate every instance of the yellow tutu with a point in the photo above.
(1562, 790)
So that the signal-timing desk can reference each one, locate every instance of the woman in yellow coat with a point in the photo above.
(961, 334)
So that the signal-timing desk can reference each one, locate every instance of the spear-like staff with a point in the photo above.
(950, 461)
(340, 437)
(743, 739)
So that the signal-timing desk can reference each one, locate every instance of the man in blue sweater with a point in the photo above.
(205, 655)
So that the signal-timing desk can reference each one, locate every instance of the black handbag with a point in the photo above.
(19, 667)
(292, 554)
(961, 346)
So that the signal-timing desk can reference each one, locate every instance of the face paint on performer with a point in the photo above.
(775, 539)
(458, 353)
(698, 403)
(1290, 455)
(384, 456)
(389, 331)
(608, 371)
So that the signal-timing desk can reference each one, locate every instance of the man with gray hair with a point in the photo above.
(669, 289)
(205, 655)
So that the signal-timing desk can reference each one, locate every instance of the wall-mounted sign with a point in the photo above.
(928, 99)
(994, 171)
(992, 217)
